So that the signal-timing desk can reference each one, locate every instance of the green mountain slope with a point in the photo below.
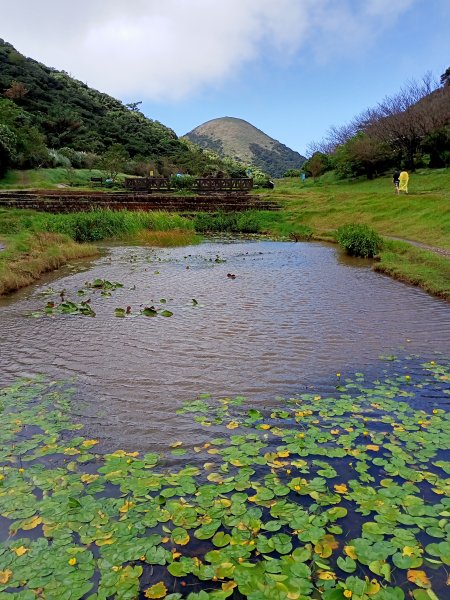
(70, 114)
(241, 141)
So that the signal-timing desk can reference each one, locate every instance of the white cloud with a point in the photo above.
(169, 49)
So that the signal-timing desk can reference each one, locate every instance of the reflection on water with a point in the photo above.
(294, 314)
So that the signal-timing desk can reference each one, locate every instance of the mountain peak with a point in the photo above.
(242, 141)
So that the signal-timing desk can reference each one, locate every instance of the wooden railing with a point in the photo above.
(210, 184)
(144, 184)
(206, 184)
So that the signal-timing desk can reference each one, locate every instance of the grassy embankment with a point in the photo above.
(422, 216)
(50, 178)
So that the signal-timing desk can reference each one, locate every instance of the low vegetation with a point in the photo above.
(408, 263)
(240, 222)
(52, 178)
(337, 496)
(28, 255)
(359, 240)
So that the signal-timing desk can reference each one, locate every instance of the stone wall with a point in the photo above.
(58, 201)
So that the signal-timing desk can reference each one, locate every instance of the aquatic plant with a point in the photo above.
(104, 284)
(340, 496)
(66, 307)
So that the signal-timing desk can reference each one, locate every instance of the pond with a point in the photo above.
(294, 315)
(241, 419)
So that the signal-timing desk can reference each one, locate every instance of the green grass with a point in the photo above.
(423, 215)
(51, 178)
(92, 226)
(235, 222)
(416, 266)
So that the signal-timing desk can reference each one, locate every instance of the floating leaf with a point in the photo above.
(418, 577)
(5, 576)
(158, 590)
(180, 536)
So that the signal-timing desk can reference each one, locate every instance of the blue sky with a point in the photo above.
(292, 68)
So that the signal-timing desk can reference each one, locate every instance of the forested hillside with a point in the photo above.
(48, 118)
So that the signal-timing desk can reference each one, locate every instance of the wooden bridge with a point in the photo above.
(202, 185)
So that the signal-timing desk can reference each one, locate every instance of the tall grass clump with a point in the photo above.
(236, 222)
(359, 240)
(99, 225)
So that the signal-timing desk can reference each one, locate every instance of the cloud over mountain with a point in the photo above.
(170, 50)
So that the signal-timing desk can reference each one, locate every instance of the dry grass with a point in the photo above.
(28, 256)
(167, 239)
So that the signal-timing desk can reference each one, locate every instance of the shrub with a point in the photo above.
(56, 159)
(359, 240)
(182, 182)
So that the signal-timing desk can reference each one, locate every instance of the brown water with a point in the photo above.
(294, 316)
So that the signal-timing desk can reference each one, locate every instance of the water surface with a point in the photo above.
(294, 315)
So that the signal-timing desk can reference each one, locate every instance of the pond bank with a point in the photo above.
(408, 261)
(28, 256)
(412, 263)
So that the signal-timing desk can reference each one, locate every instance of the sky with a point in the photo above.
(292, 68)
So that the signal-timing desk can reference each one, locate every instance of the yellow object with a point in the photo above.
(404, 178)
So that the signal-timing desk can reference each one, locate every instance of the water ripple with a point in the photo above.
(294, 315)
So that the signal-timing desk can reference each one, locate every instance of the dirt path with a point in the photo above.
(441, 251)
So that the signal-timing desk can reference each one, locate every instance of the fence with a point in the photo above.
(205, 184)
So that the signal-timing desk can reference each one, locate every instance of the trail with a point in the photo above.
(441, 251)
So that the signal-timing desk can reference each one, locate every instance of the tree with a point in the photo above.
(16, 91)
(8, 142)
(30, 149)
(361, 155)
(437, 146)
(293, 173)
(402, 121)
(133, 106)
(398, 126)
(114, 160)
(317, 164)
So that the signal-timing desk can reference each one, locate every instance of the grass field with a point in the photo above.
(423, 215)
(51, 178)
